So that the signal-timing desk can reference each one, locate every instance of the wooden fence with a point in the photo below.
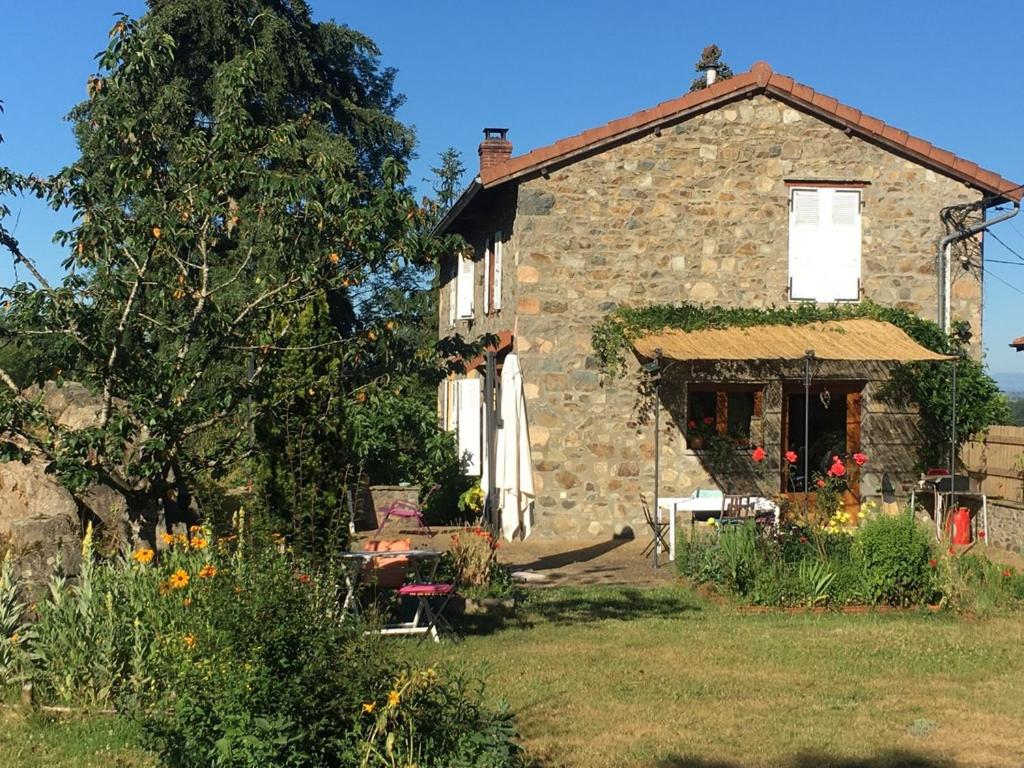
(996, 462)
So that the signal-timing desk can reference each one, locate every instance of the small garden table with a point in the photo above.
(694, 504)
(424, 563)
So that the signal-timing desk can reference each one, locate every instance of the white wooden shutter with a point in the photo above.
(452, 298)
(464, 287)
(844, 243)
(804, 243)
(824, 245)
(498, 248)
(488, 258)
(470, 422)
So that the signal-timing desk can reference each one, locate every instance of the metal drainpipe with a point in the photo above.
(945, 272)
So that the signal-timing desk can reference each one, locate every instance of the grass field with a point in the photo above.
(101, 741)
(659, 678)
(621, 677)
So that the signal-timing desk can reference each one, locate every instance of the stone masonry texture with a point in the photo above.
(697, 212)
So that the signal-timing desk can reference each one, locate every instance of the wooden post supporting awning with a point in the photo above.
(854, 340)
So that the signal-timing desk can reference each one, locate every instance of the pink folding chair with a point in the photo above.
(408, 511)
(433, 614)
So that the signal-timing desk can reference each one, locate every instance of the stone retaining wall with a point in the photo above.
(1006, 524)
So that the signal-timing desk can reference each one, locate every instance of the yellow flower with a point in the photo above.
(207, 571)
(167, 538)
(195, 528)
(178, 579)
(190, 641)
(180, 538)
(15, 638)
(394, 698)
(369, 707)
(199, 543)
(143, 556)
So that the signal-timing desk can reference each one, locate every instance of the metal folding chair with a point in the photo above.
(658, 529)
(433, 614)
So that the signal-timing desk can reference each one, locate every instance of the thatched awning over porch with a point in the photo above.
(851, 340)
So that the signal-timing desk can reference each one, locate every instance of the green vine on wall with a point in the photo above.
(927, 385)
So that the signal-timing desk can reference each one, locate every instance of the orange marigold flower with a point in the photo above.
(369, 707)
(143, 556)
(178, 579)
(190, 641)
(180, 538)
(167, 538)
(303, 578)
(207, 571)
(199, 543)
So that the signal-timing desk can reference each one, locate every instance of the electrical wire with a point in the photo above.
(1000, 240)
(1011, 286)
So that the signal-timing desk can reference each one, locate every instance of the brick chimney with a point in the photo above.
(495, 149)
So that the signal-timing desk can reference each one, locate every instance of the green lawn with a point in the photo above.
(659, 678)
(656, 677)
(101, 741)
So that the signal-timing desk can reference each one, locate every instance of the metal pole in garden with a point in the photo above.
(952, 449)
(808, 359)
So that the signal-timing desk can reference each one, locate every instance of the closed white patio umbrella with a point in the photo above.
(513, 466)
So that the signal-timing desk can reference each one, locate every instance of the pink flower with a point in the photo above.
(837, 469)
(791, 457)
(821, 483)
(758, 454)
(709, 420)
(860, 459)
(691, 424)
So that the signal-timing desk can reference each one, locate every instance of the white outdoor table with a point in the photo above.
(420, 558)
(676, 504)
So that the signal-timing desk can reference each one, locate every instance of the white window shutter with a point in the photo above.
(804, 243)
(844, 247)
(825, 245)
(470, 422)
(464, 287)
(498, 248)
(488, 257)
(452, 299)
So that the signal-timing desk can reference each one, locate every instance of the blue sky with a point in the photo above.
(550, 69)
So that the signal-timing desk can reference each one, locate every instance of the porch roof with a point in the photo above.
(853, 340)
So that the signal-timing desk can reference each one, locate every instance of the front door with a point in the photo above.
(833, 428)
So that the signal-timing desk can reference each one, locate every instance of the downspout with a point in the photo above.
(945, 270)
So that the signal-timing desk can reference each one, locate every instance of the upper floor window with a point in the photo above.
(824, 244)
(465, 276)
(492, 274)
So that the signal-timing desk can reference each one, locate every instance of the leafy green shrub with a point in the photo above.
(896, 553)
(975, 584)
(265, 672)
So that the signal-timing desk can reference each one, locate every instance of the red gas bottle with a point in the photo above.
(962, 526)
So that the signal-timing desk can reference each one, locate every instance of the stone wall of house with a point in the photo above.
(697, 213)
(1006, 524)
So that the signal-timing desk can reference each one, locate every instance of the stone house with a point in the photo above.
(756, 191)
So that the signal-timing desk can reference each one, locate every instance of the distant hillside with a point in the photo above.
(1010, 383)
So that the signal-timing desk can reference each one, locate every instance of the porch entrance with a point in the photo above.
(834, 428)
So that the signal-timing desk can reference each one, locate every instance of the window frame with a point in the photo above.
(722, 391)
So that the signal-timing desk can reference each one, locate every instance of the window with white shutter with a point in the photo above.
(488, 277)
(824, 244)
(464, 287)
(496, 282)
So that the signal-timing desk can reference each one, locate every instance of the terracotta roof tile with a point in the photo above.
(759, 79)
(1018, 343)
